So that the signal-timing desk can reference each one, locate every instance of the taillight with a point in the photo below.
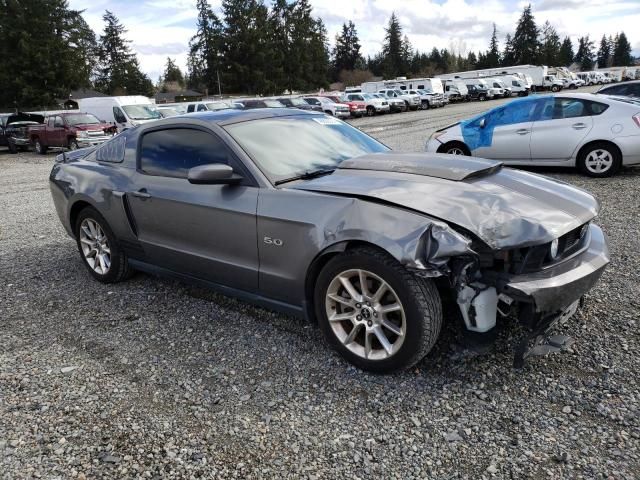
(636, 118)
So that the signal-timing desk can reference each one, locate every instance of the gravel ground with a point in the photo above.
(156, 379)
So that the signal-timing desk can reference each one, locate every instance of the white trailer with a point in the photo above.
(537, 75)
(432, 85)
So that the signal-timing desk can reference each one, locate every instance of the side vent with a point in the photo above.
(127, 211)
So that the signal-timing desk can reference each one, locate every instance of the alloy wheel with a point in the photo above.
(455, 151)
(365, 314)
(95, 246)
(598, 161)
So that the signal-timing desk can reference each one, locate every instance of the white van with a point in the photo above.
(125, 112)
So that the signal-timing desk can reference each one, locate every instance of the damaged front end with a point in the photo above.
(537, 286)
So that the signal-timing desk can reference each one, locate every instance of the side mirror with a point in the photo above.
(483, 122)
(213, 174)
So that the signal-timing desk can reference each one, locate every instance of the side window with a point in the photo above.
(201, 108)
(118, 115)
(420, 87)
(172, 152)
(569, 108)
(191, 108)
(59, 123)
(51, 121)
(312, 101)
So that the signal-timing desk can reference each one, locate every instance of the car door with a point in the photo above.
(207, 231)
(506, 133)
(58, 136)
(562, 126)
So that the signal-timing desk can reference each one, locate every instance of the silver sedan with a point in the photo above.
(595, 133)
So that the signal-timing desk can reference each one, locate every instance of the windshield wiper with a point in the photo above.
(306, 176)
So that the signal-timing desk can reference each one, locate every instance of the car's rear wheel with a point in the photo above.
(375, 313)
(99, 248)
(599, 160)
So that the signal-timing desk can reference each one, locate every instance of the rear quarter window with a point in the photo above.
(596, 108)
(112, 150)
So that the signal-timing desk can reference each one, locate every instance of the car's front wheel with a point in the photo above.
(38, 147)
(599, 160)
(375, 313)
(99, 248)
(454, 148)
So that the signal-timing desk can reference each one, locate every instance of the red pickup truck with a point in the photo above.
(70, 130)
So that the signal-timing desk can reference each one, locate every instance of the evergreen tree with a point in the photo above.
(119, 71)
(584, 57)
(550, 46)
(46, 50)
(205, 51)
(246, 45)
(392, 49)
(406, 54)
(493, 54)
(471, 61)
(526, 47)
(604, 53)
(565, 57)
(508, 58)
(347, 50)
(172, 77)
(622, 51)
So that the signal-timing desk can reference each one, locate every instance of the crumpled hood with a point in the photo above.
(505, 208)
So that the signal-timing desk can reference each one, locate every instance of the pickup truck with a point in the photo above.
(70, 130)
(411, 101)
(372, 103)
(14, 129)
(340, 110)
(356, 108)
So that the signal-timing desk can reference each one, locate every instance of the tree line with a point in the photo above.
(250, 47)
(529, 44)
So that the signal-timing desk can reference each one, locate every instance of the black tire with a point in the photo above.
(371, 111)
(72, 144)
(455, 148)
(12, 147)
(602, 149)
(329, 112)
(38, 147)
(119, 269)
(419, 298)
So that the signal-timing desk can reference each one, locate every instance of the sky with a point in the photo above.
(162, 28)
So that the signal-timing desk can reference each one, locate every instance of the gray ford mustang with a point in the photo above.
(300, 212)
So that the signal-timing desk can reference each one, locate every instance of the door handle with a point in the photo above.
(522, 131)
(579, 126)
(142, 193)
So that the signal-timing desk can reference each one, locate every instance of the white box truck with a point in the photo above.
(125, 111)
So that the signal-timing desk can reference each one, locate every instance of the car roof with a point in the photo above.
(227, 117)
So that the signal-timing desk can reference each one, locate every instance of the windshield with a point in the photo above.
(168, 112)
(82, 119)
(141, 112)
(284, 147)
(367, 96)
(298, 102)
(217, 106)
(399, 92)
